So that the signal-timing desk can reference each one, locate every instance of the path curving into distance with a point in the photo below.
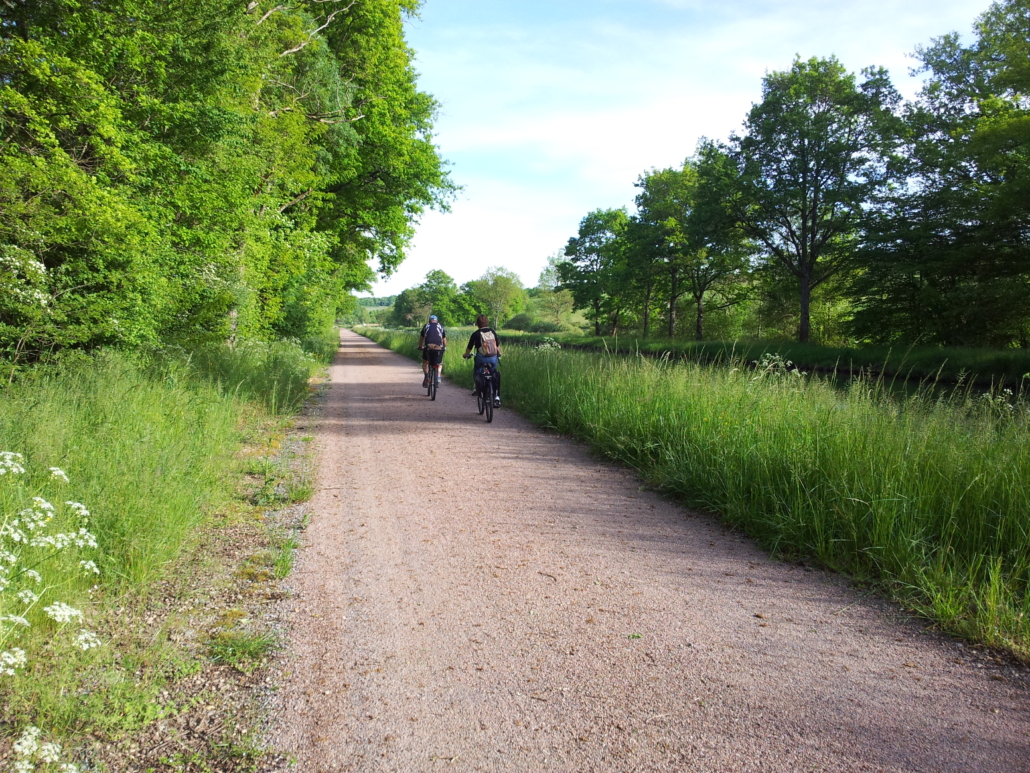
(476, 597)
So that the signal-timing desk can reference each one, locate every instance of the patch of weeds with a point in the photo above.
(243, 650)
(258, 567)
(301, 489)
(284, 557)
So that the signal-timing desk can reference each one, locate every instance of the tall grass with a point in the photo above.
(982, 367)
(928, 497)
(275, 373)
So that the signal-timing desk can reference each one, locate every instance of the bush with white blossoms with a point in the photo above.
(31, 550)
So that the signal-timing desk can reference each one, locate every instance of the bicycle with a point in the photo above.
(434, 378)
(484, 382)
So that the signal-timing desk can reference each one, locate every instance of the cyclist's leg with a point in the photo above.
(437, 364)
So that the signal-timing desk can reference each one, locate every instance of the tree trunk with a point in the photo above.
(699, 331)
(597, 318)
(647, 310)
(806, 302)
(672, 307)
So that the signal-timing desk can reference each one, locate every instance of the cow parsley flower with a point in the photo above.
(11, 530)
(85, 539)
(62, 613)
(27, 597)
(12, 660)
(10, 462)
(79, 508)
(33, 575)
(42, 504)
(8, 557)
(28, 743)
(14, 620)
(89, 567)
(49, 752)
(58, 474)
(68, 767)
(86, 640)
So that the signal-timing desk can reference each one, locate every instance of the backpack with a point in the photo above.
(487, 343)
(433, 334)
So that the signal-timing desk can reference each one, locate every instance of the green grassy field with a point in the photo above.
(927, 497)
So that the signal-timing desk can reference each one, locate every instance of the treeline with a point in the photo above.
(498, 293)
(202, 170)
(840, 212)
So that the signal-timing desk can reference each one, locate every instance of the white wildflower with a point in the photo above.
(33, 575)
(42, 504)
(11, 660)
(14, 620)
(33, 519)
(4, 582)
(49, 752)
(59, 474)
(86, 640)
(62, 613)
(85, 539)
(23, 766)
(7, 556)
(46, 540)
(79, 508)
(28, 743)
(68, 767)
(89, 567)
(10, 462)
(27, 597)
(11, 530)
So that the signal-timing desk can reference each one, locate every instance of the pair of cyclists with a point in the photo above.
(433, 340)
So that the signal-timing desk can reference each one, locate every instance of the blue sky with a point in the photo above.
(552, 109)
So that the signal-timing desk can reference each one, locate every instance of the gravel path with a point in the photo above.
(477, 597)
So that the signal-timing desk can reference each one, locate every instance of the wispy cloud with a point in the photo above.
(552, 109)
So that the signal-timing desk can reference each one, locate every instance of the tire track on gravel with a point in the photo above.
(492, 598)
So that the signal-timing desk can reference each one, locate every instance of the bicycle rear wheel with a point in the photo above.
(488, 399)
(432, 388)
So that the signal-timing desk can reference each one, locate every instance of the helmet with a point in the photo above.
(432, 318)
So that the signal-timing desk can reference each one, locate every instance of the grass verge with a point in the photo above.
(927, 497)
(118, 473)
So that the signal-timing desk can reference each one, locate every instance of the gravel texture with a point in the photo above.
(477, 597)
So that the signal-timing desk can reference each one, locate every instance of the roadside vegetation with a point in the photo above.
(927, 498)
(115, 468)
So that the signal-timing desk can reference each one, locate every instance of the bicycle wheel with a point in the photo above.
(432, 388)
(488, 399)
(480, 401)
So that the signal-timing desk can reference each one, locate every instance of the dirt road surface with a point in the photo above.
(477, 597)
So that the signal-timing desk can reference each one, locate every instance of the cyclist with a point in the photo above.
(488, 350)
(432, 341)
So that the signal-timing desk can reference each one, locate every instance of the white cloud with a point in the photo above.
(551, 110)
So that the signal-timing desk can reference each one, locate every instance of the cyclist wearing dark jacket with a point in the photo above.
(488, 350)
(432, 341)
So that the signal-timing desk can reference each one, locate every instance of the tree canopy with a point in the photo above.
(203, 169)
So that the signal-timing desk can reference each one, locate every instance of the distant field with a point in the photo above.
(928, 498)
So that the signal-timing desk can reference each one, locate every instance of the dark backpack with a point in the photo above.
(433, 335)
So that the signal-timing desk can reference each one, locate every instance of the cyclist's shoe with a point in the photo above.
(425, 382)
(497, 402)
(438, 381)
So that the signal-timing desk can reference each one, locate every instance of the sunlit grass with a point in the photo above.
(928, 497)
